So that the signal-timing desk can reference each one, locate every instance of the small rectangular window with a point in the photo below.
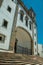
(5, 23)
(21, 17)
(30, 25)
(9, 8)
(2, 38)
(26, 18)
(1, 2)
(27, 23)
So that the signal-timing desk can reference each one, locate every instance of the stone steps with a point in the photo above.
(18, 59)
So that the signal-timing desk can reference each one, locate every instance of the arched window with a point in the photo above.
(21, 15)
(2, 38)
(26, 18)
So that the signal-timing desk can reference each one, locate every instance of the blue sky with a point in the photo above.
(37, 6)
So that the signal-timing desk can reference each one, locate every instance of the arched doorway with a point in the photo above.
(23, 43)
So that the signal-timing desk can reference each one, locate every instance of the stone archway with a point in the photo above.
(24, 42)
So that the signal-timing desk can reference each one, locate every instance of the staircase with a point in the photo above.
(18, 59)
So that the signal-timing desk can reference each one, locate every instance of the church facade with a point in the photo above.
(18, 28)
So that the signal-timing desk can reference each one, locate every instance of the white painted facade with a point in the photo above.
(32, 32)
(9, 16)
(22, 24)
(35, 39)
(40, 50)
